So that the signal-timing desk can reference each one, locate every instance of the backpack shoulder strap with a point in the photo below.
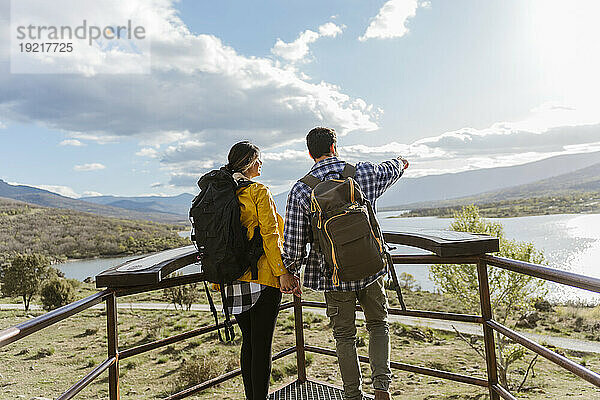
(310, 180)
(349, 171)
(243, 184)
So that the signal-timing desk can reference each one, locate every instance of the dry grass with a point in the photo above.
(587, 313)
(30, 368)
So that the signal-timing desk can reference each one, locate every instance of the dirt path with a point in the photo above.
(462, 327)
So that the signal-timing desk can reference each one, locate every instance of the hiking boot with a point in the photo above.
(382, 395)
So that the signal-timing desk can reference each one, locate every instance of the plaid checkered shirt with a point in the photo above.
(241, 296)
(373, 179)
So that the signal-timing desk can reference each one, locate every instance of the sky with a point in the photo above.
(450, 85)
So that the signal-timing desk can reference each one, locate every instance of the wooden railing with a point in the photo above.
(486, 320)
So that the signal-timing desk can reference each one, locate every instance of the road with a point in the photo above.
(462, 327)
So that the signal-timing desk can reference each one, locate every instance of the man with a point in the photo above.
(373, 180)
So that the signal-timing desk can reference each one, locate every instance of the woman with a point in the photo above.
(255, 303)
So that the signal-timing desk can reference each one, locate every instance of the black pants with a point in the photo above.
(257, 326)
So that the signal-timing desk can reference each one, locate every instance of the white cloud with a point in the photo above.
(200, 91)
(2, 126)
(100, 138)
(62, 190)
(414, 150)
(71, 142)
(549, 130)
(89, 57)
(147, 152)
(500, 145)
(499, 140)
(391, 20)
(286, 154)
(184, 179)
(330, 29)
(503, 138)
(89, 167)
(298, 49)
(90, 193)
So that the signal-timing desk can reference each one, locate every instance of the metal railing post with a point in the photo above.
(299, 328)
(113, 346)
(488, 332)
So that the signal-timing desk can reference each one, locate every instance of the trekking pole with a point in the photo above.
(392, 272)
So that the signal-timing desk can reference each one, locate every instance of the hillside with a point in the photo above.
(46, 198)
(577, 203)
(469, 183)
(71, 234)
(178, 205)
(583, 180)
(574, 192)
(436, 188)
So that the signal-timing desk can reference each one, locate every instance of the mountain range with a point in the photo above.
(178, 205)
(45, 198)
(469, 183)
(583, 180)
(559, 174)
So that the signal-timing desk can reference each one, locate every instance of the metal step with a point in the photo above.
(309, 390)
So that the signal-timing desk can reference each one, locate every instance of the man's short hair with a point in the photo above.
(319, 141)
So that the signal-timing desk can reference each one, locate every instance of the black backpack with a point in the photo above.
(224, 251)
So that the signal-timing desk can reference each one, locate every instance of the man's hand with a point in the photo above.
(287, 283)
(290, 284)
(404, 161)
(298, 289)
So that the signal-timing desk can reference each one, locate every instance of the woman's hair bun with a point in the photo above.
(241, 156)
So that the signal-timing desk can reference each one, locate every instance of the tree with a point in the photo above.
(23, 276)
(510, 292)
(57, 292)
(182, 296)
(408, 282)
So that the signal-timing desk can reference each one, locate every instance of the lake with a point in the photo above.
(569, 242)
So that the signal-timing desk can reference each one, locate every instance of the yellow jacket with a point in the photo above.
(258, 208)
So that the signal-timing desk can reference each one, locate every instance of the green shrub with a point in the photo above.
(277, 373)
(183, 296)
(57, 292)
(44, 352)
(155, 328)
(197, 369)
(309, 359)
(130, 365)
(75, 283)
(90, 331)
